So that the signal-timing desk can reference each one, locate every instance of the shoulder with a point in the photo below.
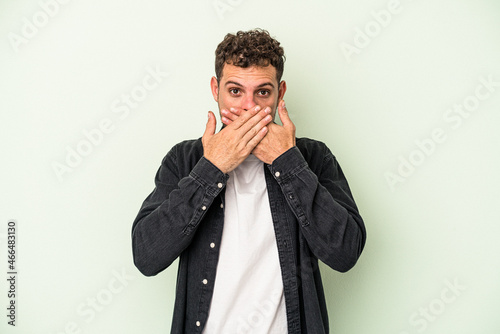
(313, 150)
(319, 157)
(188, 147)
(185, 153)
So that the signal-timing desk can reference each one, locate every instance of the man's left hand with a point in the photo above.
(278, 139)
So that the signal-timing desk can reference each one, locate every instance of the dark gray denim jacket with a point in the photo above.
(314, 217)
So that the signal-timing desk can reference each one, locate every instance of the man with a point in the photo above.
(250, 209)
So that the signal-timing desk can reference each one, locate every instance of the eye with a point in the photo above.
(234, 91)
(264, 92)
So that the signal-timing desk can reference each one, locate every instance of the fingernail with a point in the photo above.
(284, 106)
(257, 108)
(267, 110)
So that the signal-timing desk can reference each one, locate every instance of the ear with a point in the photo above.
(281, 90)
(214, 86)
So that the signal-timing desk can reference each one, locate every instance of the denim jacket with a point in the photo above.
(314, 217)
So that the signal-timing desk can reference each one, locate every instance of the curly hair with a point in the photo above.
(248, 48)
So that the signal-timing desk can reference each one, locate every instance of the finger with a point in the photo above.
(211, 125)
(245, 116)
(226, 120)
(255, 140)
(255, 131)
(249, 125)
(236, 111)
(229, 114)
(284, 117)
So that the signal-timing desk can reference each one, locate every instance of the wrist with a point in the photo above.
(219, 166)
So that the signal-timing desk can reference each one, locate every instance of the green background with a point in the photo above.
(436, 226)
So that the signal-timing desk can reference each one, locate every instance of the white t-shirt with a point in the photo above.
(248, 294)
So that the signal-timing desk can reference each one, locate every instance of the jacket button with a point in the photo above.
(219, 185)
(204, 281)
(203, 208)
(212, 245)
(198, 324)
(277, 174)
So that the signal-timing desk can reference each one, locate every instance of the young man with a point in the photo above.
(250, 209)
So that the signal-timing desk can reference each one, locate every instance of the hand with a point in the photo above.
(233, 144)
(278, 139)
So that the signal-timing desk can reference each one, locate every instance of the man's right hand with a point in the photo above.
(233, 144)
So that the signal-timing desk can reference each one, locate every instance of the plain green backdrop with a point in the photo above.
(397, 89)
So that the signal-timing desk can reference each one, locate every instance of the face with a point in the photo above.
(243, 88)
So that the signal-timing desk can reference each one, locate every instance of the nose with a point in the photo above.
(248, 102)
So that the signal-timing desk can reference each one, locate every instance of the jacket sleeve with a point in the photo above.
(323, 205)
(169, 216)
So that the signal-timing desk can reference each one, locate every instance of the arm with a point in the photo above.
(323, 205)
(321, 199)
(168, 218)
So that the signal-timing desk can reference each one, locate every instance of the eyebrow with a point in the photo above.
(240, 85)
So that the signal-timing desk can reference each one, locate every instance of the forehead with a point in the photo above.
(249, 75)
